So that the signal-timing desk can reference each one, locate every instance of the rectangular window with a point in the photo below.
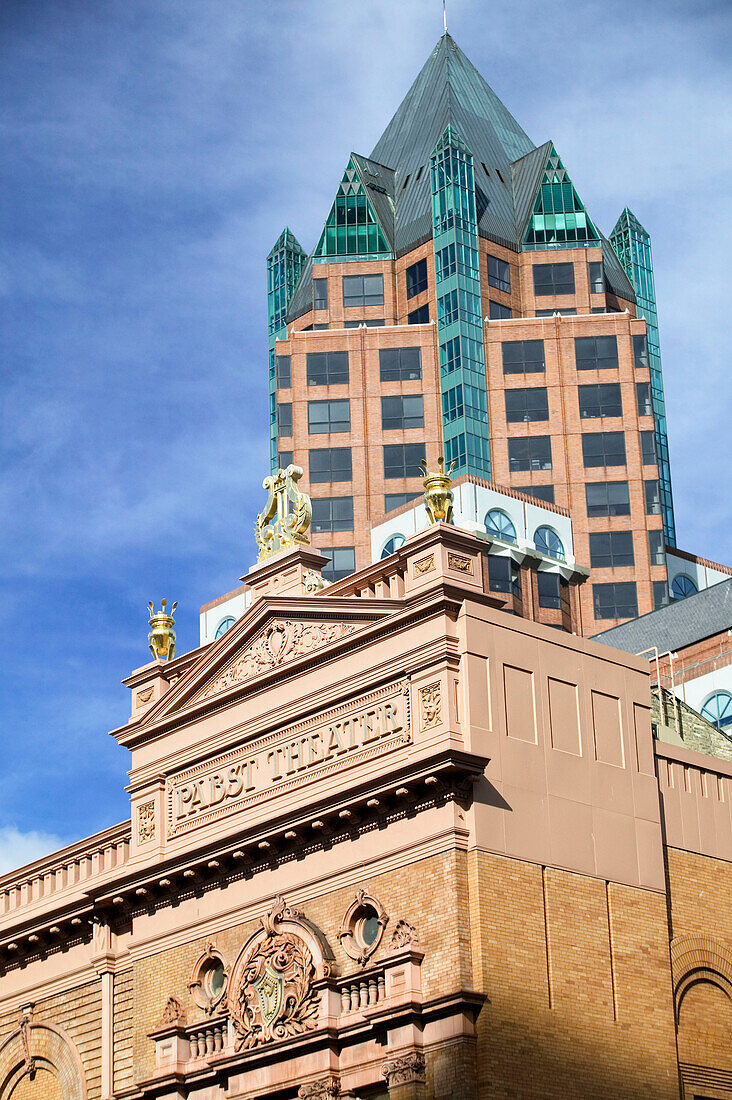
(541, 492)
(656, 548)
(553, 279)
(403, 460)
(603, 449)
(362, 291)
(523, 356)
(416, 278)
(284, 459)
(447, 309)
(341, 564)
(398, 500)
(419, 316)
(320, 293)
(607, 498)
(329, 416)
(499, 274)
(648, 448)
(530, 453)
(660, 594)
(332, 514)
(597, 277)
(497, 312)
(602, 399)
(551, 312)
(653, 498)
(611, 549)
(526, 404)
(595, 352)
(284, 419)
(400, 364)
(284, 372)
(503, 575)
(643, 397)
(550, 589)
(319, 328)
(330, 464)
(640, 351)
(368, 322)
(402, 413)
(615, 601)
(327, 368)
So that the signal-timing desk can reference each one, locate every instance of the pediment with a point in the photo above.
(273, 633)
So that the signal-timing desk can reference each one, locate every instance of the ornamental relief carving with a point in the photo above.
(402, 1071)
(430, 706)
(281, 642)
(145, 822)
(272, 995)
(404, 935)
(461, 564)
(424, 565)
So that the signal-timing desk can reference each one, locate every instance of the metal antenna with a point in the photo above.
(444, 16)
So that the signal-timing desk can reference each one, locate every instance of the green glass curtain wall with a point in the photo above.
(559, 219)
(459, 315)
(352, 228)
(632, 243)
(284, 265)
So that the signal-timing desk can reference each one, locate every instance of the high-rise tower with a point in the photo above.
(461, 300)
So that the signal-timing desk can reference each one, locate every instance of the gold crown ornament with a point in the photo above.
(161, 638)
(438, 496)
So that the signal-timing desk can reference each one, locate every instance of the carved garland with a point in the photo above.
(281, 642)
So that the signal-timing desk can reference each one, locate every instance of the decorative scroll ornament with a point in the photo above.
(404, 935)
(25, 1024)
(161, 638)
(328, 1088)
(173, 1013)
(279, 643)
(438, 496)
(145, 822)
(405, 1070)
(289, 528)
(430, 706)
(272, 995)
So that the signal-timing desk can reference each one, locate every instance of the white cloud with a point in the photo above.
(18, 848)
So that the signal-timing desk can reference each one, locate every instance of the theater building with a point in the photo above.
(461, 300)
(388, 838)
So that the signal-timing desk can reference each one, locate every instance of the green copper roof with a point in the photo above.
(449, 91)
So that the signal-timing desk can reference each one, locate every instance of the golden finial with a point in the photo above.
(288, 529)
(161, 638)
(438, 492)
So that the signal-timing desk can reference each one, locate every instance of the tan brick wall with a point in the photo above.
(123, 1025)
(578, 984)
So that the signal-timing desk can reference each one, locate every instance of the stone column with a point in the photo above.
(405, 1076)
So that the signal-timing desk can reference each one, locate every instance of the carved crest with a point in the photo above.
(280, 642)
(272, 995)
(276, 527)
(173, 1013)
(404, 935)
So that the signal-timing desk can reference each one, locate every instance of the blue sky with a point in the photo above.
(152, 152)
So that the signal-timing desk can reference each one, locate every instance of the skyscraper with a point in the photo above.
(461, 300)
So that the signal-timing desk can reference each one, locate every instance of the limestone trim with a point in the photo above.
(699, 958)
(37, 1044)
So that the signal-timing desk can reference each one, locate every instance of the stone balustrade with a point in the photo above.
(207, 1039)
(363, 991)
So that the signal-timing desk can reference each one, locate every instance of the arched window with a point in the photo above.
(224, 625)
(500, 525)
(392, 545)
(548, 542)
(718, 711)
(682, 586)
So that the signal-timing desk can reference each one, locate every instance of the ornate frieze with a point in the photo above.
(461, 564)
(271, 994)
(321, 745)
(281, 642)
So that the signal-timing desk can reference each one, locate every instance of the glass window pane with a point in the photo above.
(523, 356)
(330, 464)
(416, 278)
(320, 293)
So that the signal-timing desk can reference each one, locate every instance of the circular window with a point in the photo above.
(718, 711)
(209, 980)
(224, 625)
(392, 545)
(682, 586)
(548, 542)
(500, 525)
(362, 927)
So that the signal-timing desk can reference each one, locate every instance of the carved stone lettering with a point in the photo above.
(145, 822)
(281, 642)
(430, 706)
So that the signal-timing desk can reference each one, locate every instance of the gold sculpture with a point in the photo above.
(161, 638)
(438, 496)
(288, 529)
